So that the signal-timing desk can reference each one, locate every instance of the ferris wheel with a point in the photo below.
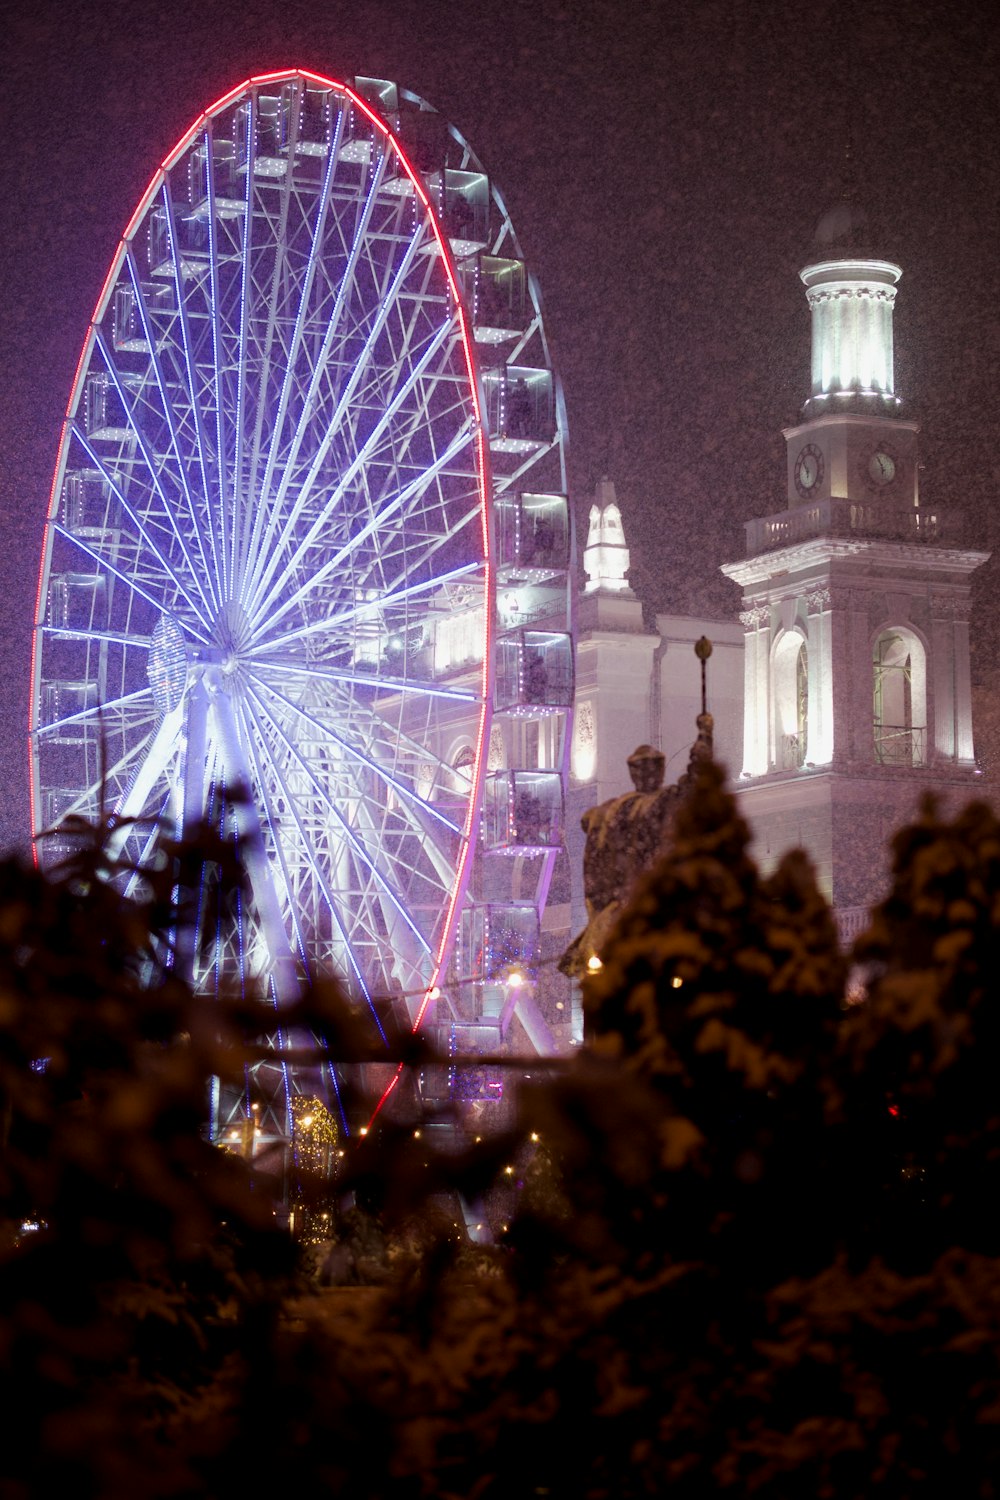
(268, 594)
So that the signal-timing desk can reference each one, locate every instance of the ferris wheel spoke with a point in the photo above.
(129, 583)
(401, 395)
(289, 884)
(110, 637)
(141, 530)
(392, 596)
(333, 428)
(432, 854)
(308, 280)
(258, 543)
(89, 801)
(215, 581)
(316, 868)
(213, 268)
(95, 711)
(353, 469)
(291, 802)
(239, 420)
(149, 335)
(327, 729)
(270, 298)
(409, 493)
(358, 848)
(368, 680)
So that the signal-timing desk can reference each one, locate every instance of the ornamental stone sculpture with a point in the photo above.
(627, 834)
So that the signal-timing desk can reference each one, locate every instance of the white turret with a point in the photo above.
(851, 302)
(606, 557)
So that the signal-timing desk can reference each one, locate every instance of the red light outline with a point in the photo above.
(485, 489)
(485, 485)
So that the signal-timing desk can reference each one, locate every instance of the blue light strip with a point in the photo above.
(296, 339)
(97, 708)
(330, 431)
(119, 494)
(366, 606)
(174, 441)
(128, 582)
(340, 1103)
(361, 679)
(238, 510)
(349, 834)
(113, 637)
(276, 843)
(287, 1090)
(214, 580)
(213, 265)
(258, 545)
(331, 734)
(416, 487)
(324, 888)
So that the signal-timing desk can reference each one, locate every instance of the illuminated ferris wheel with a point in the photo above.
(294, 470)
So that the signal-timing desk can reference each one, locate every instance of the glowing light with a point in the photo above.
(676, 982)
(594, 963)
(535, 1136)
(516, 979)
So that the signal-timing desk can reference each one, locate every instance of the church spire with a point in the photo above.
(606, 557)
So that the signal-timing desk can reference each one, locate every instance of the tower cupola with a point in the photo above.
(851, 301)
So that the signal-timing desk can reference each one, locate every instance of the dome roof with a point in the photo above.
(846, 229)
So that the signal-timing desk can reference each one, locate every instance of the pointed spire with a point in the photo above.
(606, 557)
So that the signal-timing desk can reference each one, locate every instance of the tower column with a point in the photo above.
(756, 708)
(859, 734)
(819, 731)
(964, 745)
(841, 640)
(943, 679)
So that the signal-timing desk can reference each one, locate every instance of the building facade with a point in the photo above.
(856, 602)
(843, 693)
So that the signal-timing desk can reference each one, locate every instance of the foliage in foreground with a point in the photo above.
(750, 1248)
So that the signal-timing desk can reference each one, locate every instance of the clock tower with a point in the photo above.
(856, 603)
(852, 440)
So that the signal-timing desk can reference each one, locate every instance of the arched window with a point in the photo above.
(462, 767)
(900, 699)
(791, 701)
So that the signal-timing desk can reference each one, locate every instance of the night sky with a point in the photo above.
(665, 165)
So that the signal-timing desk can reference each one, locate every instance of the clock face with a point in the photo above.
(809, 470)
(879, 467)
